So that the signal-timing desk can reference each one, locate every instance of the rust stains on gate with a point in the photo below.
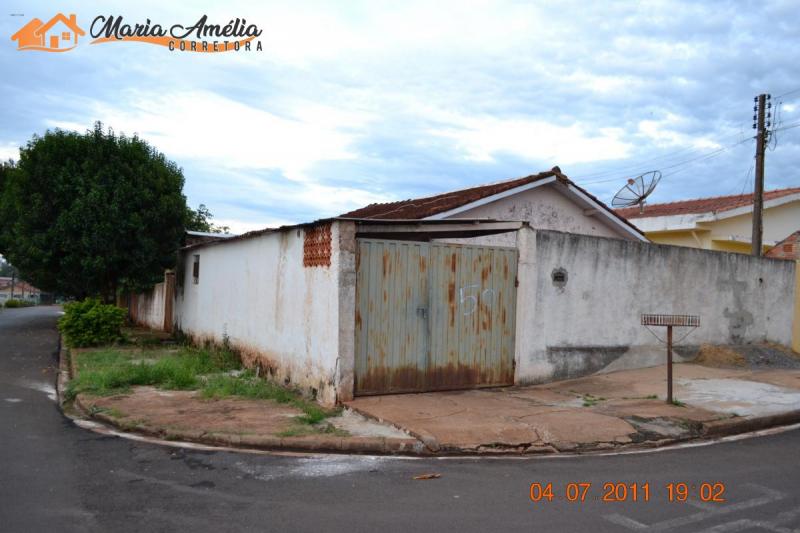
(433, 316)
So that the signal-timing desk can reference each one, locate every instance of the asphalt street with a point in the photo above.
(56, 476)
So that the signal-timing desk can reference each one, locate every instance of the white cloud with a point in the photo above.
(243, 226)
(9, 150)
(351, 99)
(481, 138)
(605, 84)
(665, 133)
(219, 131)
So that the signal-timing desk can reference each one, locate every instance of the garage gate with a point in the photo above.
(433, 316)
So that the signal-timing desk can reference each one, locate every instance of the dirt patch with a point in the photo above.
(719, 357)
(753, 356)
(187, 410)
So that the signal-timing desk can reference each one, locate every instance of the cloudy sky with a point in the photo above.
(352, 103)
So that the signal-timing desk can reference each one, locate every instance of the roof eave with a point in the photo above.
(616, 221)
(490, 199)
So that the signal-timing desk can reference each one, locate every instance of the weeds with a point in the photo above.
(112, 371)
(591, 401)
(248, 385)
(648, 397)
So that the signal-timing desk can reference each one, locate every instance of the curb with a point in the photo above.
(426, 438)
(64, 371)
(422, 445)
(351, 445)
(736, 425)
(326, 444)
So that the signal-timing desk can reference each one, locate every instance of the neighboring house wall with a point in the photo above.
(295, 323)
(22, 290)
(147, 308)
(718, 232)
(592, 323)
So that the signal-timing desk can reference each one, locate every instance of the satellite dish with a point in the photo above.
(636, 190)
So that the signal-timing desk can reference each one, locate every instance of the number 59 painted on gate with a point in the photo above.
(470, 301)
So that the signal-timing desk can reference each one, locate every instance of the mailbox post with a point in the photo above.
(670, 321)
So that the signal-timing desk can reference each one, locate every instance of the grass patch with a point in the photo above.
(247, 385)
(677, 402)
(648, 397)
(591, 401)
(111, 371)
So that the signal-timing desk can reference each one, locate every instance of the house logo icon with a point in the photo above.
(59, 34)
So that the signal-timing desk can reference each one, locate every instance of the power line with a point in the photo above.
(642, 164)
(706, 156)
(746, 180)
(789, 126)
(793, 91)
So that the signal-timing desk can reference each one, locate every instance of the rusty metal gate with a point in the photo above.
(433, 316)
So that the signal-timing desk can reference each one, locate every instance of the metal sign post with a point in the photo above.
(670, 321)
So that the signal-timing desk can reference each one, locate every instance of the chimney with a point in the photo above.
(73, 19)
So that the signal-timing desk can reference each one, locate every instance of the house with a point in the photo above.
(447, 292)
(719, 223)
(17, 289)
(788, 248)
(548, 200)
(59, 34)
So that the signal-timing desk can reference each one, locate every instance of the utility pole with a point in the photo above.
(761, 144)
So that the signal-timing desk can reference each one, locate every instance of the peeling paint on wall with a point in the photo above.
(284, 318)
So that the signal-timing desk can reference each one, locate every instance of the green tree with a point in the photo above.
(86, 214)
(200, 220)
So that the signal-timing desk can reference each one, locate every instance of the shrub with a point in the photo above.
(14, 303)
(91, 323)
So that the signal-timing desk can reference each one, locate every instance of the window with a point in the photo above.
(196, 269)
(65, 36)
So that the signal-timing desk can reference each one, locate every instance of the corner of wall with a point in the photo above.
(526, 299)
(345, 367)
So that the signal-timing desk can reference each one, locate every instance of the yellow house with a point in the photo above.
(719, 223)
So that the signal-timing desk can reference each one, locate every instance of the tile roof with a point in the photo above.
(19, 286)
(419, 208)
(701, 205)
(788, 248)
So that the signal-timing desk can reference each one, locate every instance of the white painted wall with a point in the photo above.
(282, 316)
(593, 323)
(543, 207)
(148, 310)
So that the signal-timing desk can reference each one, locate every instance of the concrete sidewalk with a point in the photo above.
(624, 409)
(599, 412)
